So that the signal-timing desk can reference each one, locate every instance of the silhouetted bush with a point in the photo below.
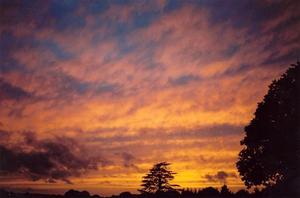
(125, 195)
(242, 194)
(167, 194)
(77, 194)
(225, 192)
(209, 192)
(187, 194)
(3, 193)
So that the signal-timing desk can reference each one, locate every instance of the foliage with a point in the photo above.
(209, 192)
(158, 178)
(242, 193)
(225, 192)
(271, 153)
(125, 195)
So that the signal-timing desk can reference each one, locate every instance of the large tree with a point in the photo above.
(158, 178)
(271, 152)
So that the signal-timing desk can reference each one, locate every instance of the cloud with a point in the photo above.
(49, 159)
(105, 87)
(11, 92)
(128, 160)
(209, 131)
(220, 176)
(4, 135)
(184, 79)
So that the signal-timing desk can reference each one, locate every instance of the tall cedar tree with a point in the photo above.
(271, 153)
(158, 178)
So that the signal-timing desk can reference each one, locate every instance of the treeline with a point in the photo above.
(208, 192)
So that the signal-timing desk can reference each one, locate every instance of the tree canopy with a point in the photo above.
(225, 192)
(158, 178)
(271, 152)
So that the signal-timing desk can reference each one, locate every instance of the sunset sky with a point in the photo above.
(93, 93)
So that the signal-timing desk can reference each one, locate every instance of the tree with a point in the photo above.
(158, 178)
(242, 194)
(125, 195)
(77, 194)
(225, 192)
(209, 192)
(271, 152)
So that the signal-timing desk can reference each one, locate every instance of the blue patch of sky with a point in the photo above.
(8, 45)
(144, 19)
(10, 64)
(64, 15)
(249, 14)
(121, 30)
(69, 83)
(59, 8)
(289, 57)
(12, 92)
(70, 22)
(173, 5)
(221, 11)
(6, 40)
(97, 7)
(61, 14)
(231, 50)
(50, 45)
(58, 51)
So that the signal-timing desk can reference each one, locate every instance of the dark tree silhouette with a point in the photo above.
(125, 195)
(225, 192)
(186, 193)
(271, 153)
(158, 178)
(76, 194)
(242, 194)
(209, 192)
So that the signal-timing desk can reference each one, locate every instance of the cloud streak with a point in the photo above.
(220, 176)
(11, 92)
(48, 160)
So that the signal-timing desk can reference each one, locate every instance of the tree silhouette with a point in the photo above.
(225, 192)
(209, 192)
(242, 194)
(76, 194)
(125, 195)
(158, 178)
(271, 153)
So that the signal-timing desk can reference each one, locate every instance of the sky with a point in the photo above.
(93, 93)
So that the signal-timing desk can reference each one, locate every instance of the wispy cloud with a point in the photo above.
(220, 176)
